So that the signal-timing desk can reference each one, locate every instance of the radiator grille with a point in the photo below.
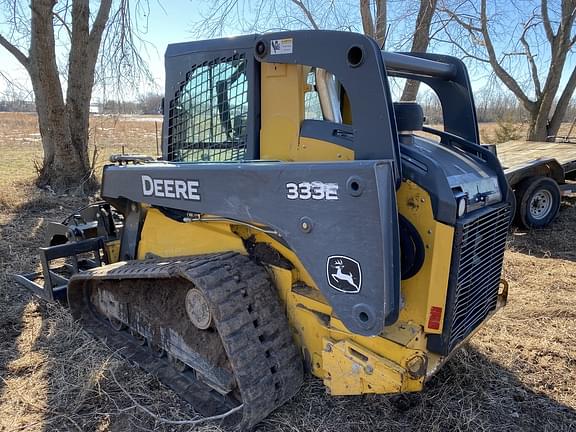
(208, 116)
(477, 257)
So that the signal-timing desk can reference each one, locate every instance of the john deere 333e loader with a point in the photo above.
(349, 241)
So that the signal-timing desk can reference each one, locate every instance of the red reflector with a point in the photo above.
(435, 317)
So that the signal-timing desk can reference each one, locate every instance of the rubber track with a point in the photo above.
(250, 320)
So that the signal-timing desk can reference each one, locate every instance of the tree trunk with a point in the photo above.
(381, 22)
(538, 127)
(64, 123)
(64, 126)
(420, 43)
(63, 167)
(366, 15)
(81, 66)
(375, 28)
(562, 105)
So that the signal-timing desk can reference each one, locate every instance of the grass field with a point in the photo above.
(517, 374)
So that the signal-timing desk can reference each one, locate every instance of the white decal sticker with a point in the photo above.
(171, 188)
(281, 46)
(344, 273)
(315, 190)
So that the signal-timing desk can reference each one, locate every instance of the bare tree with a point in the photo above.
(543, 41)
(63, 118)
(420, 43)
(150, 103)
(262, 16)
(412, 21)
(375, 28)
(275, 15)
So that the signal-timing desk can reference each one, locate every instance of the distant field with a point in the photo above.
(21, 146)
(517, 374)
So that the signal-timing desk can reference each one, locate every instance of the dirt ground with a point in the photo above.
(517, 374)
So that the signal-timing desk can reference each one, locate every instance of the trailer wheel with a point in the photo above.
(538, 200)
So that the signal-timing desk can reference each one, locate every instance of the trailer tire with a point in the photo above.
(538, 202)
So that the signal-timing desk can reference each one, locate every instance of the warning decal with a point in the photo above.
(281, 46)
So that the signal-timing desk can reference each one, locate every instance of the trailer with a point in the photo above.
(540, 173)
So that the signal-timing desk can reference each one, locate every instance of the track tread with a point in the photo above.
(265, 380)
(249, 317)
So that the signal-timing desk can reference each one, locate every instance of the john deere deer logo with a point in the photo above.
(344, 273)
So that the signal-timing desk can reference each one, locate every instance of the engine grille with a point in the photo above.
(475, 273)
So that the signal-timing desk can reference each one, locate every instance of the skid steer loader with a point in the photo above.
(272, 238)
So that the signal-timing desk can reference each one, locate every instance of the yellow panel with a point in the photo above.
(312, 324)
(427, 289)
(283, 88)
(282, 110)
(346, 109)
(165, 237)
(310, 149)
(351, 369)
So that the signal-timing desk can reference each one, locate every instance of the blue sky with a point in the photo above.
(169, 21)
(172, 21)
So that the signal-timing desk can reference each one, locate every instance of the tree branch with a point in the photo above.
(462, 23)
(63, 22)
(307, 13)
(381, 21)
(506, 78)
(531, 61)
(546, 22)
(420, 42)
(12, 49)
(100, 23)
(367, 21)
(563, 102)
(467, 54)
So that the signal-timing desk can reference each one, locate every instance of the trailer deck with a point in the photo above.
(517, 154)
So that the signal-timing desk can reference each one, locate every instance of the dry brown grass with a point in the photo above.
(488, 131)
(517, 373)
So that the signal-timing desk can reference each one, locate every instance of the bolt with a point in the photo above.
(416, 366)
(260, 48)
(328, 348)
(429, 231)
(306, 224)
(369, 369)
(422, 200)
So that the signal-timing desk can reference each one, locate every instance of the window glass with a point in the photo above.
(312, 108)
(209, 115)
